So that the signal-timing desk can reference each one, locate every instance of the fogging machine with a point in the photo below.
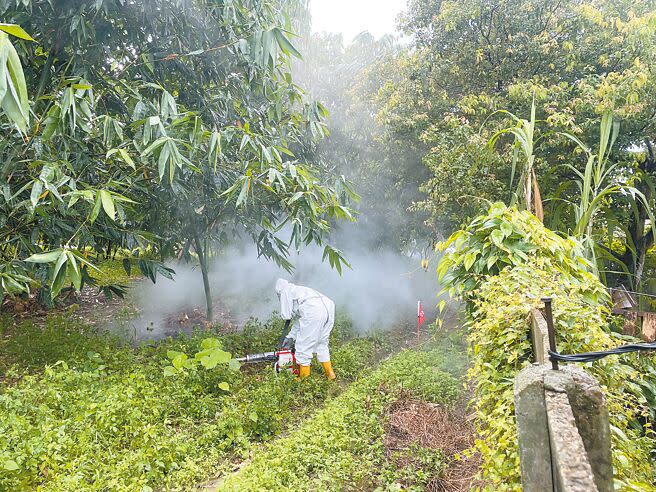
(283, 359)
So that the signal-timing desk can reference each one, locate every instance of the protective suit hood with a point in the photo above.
(281, 285)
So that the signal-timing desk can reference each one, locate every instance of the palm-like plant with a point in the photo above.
(596, 184)
(525, 143)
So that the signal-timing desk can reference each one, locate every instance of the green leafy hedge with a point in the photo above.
(341, 447)
(502, 264)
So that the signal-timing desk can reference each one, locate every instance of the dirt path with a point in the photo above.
(414, 422)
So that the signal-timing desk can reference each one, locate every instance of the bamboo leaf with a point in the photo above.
(14, 103)
(285, 45)
(244, 191)
(73, 271)
(45, 257)
(96, 209)
(58, 275)
(15, 30)
(108, 204)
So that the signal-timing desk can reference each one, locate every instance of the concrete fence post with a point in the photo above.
(562, 425)
(533, 430)
(591, 414)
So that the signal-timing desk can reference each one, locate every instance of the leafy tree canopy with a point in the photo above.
(578, 60)
(165, 125)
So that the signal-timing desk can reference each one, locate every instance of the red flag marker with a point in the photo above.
(420, 316)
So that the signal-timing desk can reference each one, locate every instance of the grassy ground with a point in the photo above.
(342, 446)
(82, 410)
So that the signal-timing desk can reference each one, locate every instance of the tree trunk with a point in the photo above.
(636, 263)
(202, 259)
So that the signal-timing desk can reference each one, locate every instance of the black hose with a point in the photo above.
(593, 356)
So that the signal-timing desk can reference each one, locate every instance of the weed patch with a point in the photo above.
(417, 431)
(86, 412)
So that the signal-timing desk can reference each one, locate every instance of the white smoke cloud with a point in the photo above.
(379, 292)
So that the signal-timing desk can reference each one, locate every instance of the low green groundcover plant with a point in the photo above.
(502, 264)
(341, 446)
(83, 411)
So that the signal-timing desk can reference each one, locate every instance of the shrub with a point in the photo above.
(502, 238)
(503, 279)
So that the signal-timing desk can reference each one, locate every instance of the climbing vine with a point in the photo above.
(533, 262)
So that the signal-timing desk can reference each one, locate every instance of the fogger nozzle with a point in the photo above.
(256, 358)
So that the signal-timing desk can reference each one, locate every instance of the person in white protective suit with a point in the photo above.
(310, 333)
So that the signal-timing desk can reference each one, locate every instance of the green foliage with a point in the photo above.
(104, 416)
(114, 272)
(420, 466)
(525, 141)
(210, 355)
(573, 61)
(13, 91)
(31, 347)
(128, 150)
(498, 336)
(506, 237)
(597, 186)
(342, 445)
(501, 298)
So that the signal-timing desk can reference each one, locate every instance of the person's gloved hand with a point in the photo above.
(287, 344)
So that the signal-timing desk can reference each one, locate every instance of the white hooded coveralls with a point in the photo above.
(316, 314)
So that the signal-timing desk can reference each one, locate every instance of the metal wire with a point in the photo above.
(632, 292)
(593, 356)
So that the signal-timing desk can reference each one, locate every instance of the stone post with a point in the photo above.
(533, 429)
(563, 431)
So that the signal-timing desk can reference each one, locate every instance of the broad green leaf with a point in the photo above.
(63, 257)
(15, 30)
(215, 357)
(224, 386)
(154, 146)
(491, 261)
(470, 258)
(497, 237)
(179, 361)
(82, 87)
(124, 155)
(285, 44)
(244, 191)
(4, 53)
(73, 271)
(59, 275)
(108, 204)
(96, 209)
(45, 257)
(35, 195)
(210, 343)
(14, 102)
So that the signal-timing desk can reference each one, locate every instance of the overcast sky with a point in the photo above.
(351, 17)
